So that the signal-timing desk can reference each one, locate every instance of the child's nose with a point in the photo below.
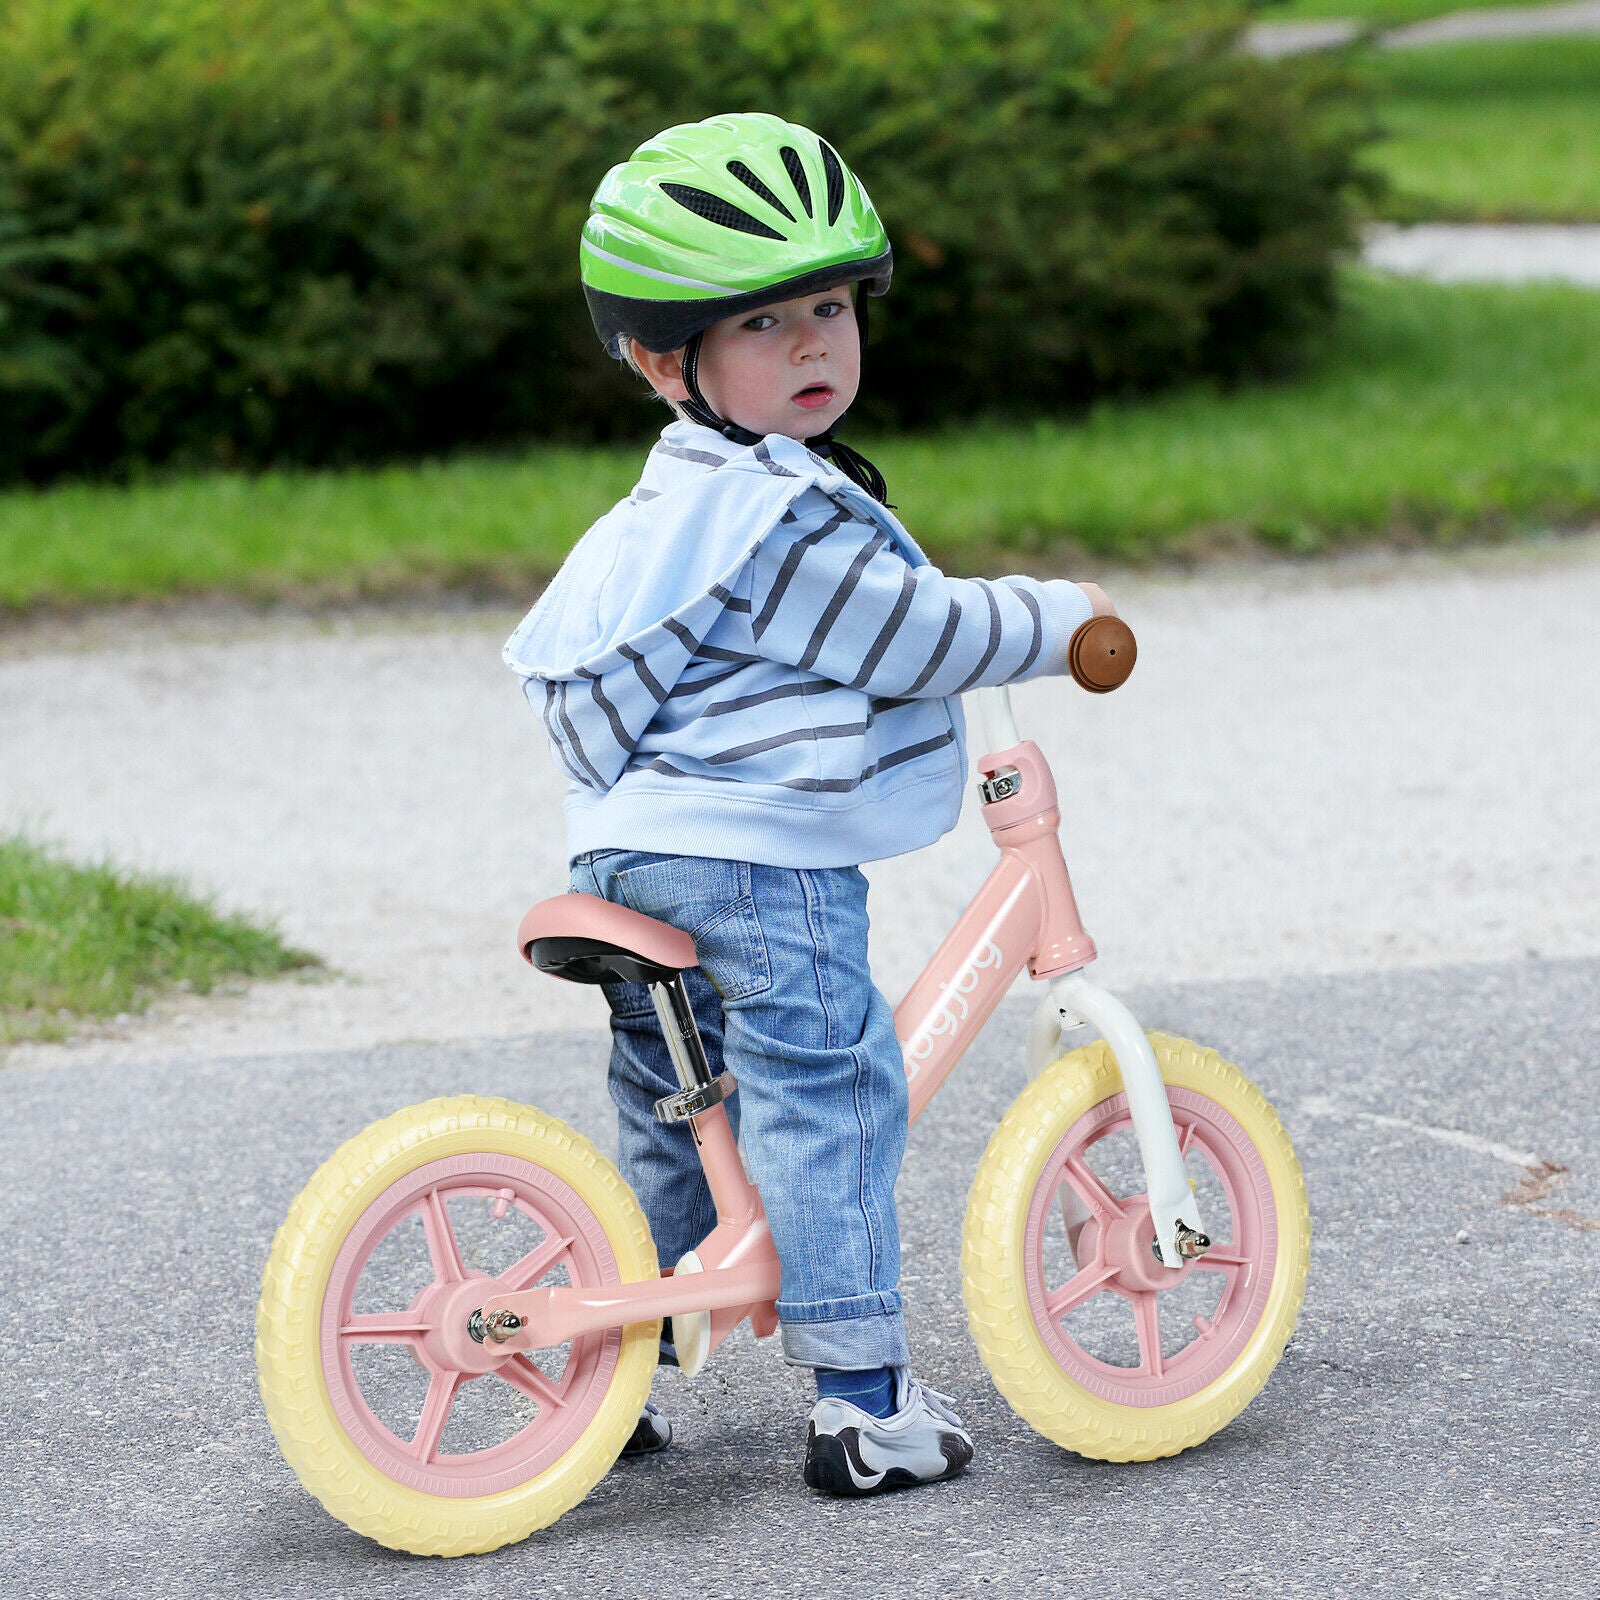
(810, 344)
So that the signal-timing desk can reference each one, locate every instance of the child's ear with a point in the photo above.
(664, 373)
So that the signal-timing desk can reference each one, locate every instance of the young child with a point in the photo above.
(749, 673)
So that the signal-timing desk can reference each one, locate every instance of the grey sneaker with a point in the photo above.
(851, 1452)
(651, 1433)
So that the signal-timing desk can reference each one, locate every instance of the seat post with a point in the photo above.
(684, 1045)
(700, 1104)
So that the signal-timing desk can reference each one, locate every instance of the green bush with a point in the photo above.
(250, 231)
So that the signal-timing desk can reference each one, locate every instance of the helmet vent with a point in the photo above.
(715, 209)
(835, 174)
(797, 175)
(756, 186)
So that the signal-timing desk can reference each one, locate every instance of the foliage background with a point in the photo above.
(242, 232)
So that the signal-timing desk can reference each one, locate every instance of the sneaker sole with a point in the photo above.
(828, 1469)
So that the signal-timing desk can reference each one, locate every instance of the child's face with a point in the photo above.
(792, 368)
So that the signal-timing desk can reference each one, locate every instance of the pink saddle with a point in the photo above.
(589, 940)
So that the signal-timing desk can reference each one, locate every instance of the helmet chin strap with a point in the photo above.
(699, 408)
(851, 463)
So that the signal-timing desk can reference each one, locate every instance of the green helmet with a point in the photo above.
(712, 218)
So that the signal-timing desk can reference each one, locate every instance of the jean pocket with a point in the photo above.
(711, 901)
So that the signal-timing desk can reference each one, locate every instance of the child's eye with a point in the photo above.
(832, 308)
(760, 322)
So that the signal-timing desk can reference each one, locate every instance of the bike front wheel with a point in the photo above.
(1090, 1339)
(392, 1412)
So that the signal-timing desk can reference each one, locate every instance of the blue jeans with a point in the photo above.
(783, 998)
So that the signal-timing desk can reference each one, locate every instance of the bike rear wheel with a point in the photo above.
(402, 1423)
(1088, 1337)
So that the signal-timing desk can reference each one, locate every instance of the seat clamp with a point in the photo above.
(688, 1103)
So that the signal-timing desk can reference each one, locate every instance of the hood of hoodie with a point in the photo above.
(699, 511)
(649, 580)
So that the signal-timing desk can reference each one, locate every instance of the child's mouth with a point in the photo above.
(814, 396)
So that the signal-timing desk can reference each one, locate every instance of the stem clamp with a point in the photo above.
(1005, 783)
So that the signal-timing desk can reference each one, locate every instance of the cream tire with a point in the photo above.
(1167, 1402)
(407, 1494)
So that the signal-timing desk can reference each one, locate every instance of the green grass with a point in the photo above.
(1432, 412)
(1382, 13)
(1436, 413)
(337, 534)
(79, 942)
(1499, 132)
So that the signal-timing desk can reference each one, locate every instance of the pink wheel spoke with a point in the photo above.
(442, 1248)
(533, 1266)
(1179, 1345)
(1148, 1321)
(419, 1231)
(390, 1327)
(1086, 1282)
(1237, 1270)
(523, 1376)
(435, 1413)
(1092, 1191)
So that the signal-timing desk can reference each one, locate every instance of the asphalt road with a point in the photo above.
(1431, 1430)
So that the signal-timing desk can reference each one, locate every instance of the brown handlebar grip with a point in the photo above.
(1102, 654)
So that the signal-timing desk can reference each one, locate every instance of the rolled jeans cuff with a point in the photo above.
(851, 1335)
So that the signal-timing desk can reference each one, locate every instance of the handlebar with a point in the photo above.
(1100, 658)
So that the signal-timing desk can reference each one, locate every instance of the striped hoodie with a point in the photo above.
(750, 658)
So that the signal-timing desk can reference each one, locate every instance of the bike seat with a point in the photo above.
(589, 940)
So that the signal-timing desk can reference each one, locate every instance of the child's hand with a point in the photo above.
(1099, 604)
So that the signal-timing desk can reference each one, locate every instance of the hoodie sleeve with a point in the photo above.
(831, 594)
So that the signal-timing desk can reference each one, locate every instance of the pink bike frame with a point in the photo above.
(1024, 914)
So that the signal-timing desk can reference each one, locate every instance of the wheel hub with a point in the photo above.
(1130, 1248)
(447, 1308)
